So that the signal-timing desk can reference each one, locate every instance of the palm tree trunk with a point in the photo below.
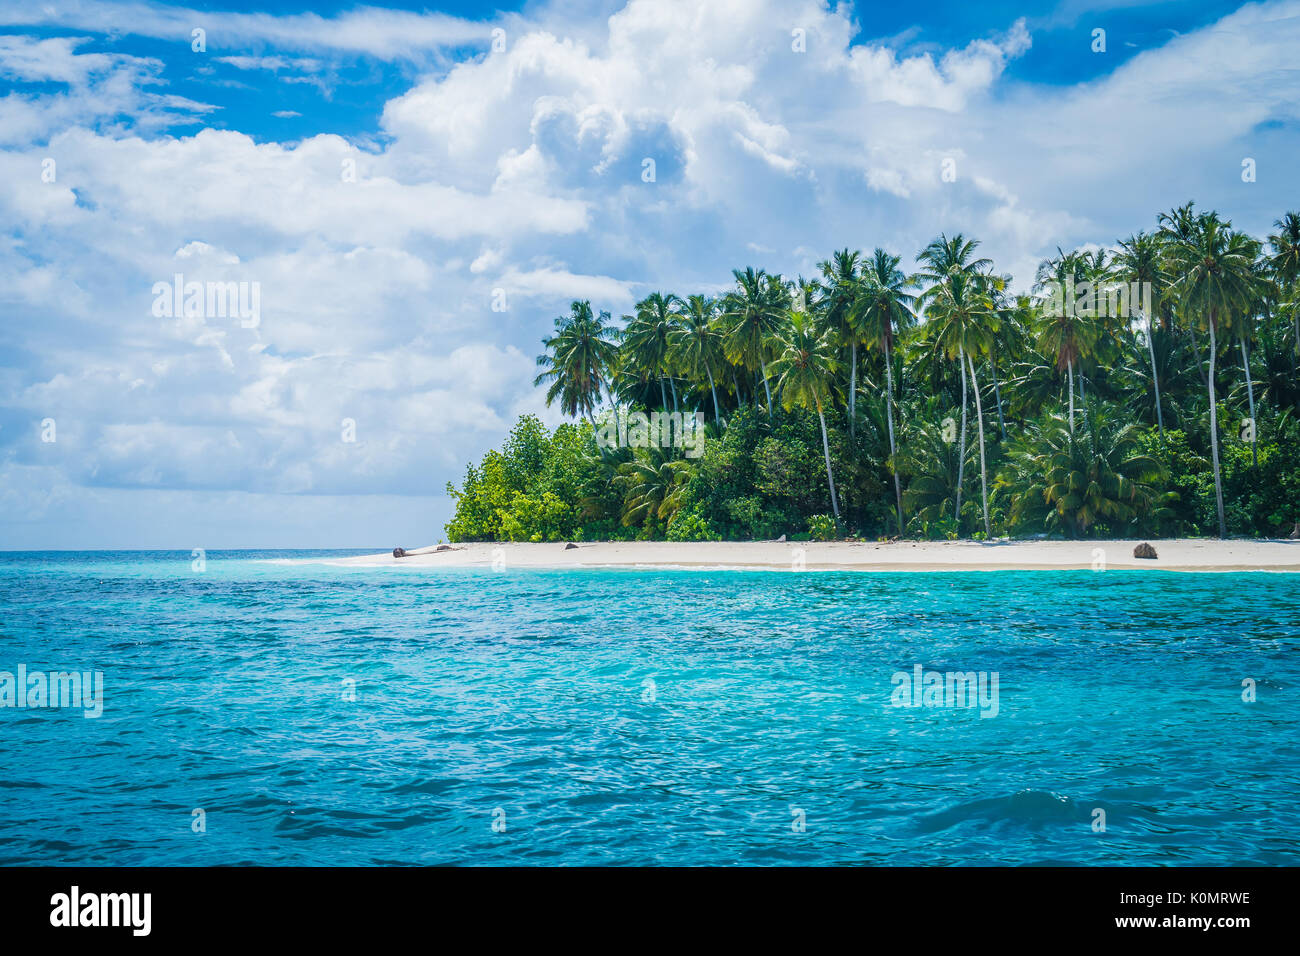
(735, 383)
(767, 388)
(717, 415)
(1214, 437)
(889, 416)
(673, 385)
(997, 394)
(1250, 394)
(663, 395)
(853, 385)
(961, 447)
(1155, 377)
(830, 478)
(979, 414)
(1070, 367)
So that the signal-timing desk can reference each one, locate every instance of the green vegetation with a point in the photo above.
(1149, 390)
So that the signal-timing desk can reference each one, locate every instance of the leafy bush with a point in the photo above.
(690, 526)
(533, 490)
(821, 528)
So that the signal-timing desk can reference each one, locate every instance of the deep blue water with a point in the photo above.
(638, 717)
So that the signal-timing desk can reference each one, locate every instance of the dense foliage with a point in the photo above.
(1149, 390)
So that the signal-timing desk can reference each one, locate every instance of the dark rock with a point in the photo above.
(1144, 550)
(570, 546)
(443, 547)
(399, 552)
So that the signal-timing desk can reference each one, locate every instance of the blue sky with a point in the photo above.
(383, 174)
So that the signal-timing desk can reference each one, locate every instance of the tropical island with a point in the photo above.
(1147, 389)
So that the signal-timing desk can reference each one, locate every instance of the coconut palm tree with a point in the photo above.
(928, 460)
(945, 264)
(645, 339)
(1285, 264)
(752, 317)
(652, 483)
(1011, 339)
(1099, 474)
(578, 360)
(1246, 329)
(1138, 261)
(696, 343)
(1102, 305)
(1067, 332)
(960, 321)
(1215, 283)
(942, 261)
(1178, 226)
(839, 295)
(882, 310)
(805, 367)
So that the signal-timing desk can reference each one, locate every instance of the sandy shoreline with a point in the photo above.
(1174, 555)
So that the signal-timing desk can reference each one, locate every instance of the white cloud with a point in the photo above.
(100, 88)
(389, 34)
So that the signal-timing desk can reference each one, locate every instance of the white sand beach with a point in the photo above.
(1174, 555)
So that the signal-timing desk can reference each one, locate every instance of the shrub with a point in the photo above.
(821, 528)
(690, 526)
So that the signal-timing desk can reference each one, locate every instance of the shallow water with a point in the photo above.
(639, 716)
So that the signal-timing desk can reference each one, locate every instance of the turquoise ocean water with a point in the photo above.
(325, 715)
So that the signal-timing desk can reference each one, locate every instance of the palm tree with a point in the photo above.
(1178, 225)
(578, 360)
(645, 339)
(652, 484)
(1285, 263)
(753, 318)
(697, 343)
(883, 309)
(960, 320)
(805, 367)
(1257, 305)
(1010, 339)
(1100, 474)
(839, 296)
(1067, 333)
(960, 282)
(1138, 261)
(1111, 328)
(929, 461)
(1215, 280)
